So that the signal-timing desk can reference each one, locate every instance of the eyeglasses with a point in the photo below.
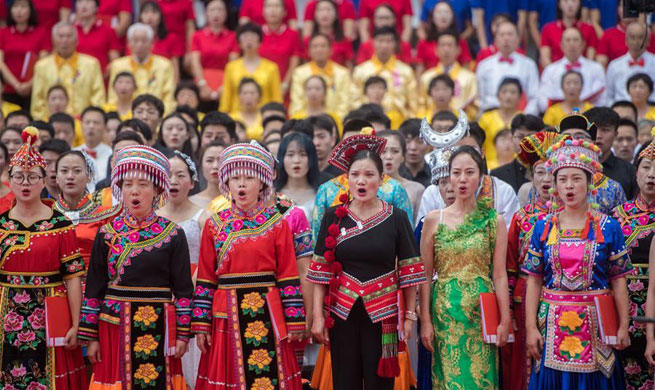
(20, 179)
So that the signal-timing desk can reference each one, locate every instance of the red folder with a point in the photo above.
(607, 318)
(491, 318)
(274, 303)
(171, 330)
(58, 320)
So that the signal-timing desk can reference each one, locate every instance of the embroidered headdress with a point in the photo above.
(249, 159)
(438, 160)
(342, 154)
(574, 154)
(443, 143)
(28, 156)
(143, 162)
(534, 148)
(649, 151)
(577, 121)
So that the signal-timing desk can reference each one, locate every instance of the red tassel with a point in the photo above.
(544, 235)
(402, 346)
(600, 238)
(585, 232)
(336, 268)
(388, 367)
(329, 322)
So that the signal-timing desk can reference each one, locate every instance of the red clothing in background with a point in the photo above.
(214, 49)
(279, 46)
(426, 53)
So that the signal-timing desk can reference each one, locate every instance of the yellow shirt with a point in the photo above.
(337, 119)
(401, 85)
(254, 131)
(466, 89)
(218, 204)
(555, 113)
(111, 107)
(337, 79)
(428, 114)
(80, 75)
(156, 76)
(492, 124)
(8, 108)
(267, 76)
(650, 114)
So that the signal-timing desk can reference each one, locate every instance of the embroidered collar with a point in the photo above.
(83, 204)
(246, 214)
(643, 205)
(133, 223)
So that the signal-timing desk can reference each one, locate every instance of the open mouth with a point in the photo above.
(462, 189)
(135, 203)
(26, 192)
(570, 196)
(174, 191)
(388, 166)
(361, 191)
(241, 193)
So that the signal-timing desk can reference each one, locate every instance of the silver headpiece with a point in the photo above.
(442, 140)
(90, 165)
(189, 162)
(438, 161)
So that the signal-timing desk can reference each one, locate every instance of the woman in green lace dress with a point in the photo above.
(465, 245)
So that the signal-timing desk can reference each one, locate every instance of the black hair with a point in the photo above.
(15, 129)
(526, 121)
(252, 28)
(442, 78)
(368, 155)
(501, 15)
(625, 104)
(186, 147)
(570, 72)
(375, 80)
(558, 11)
(162, 31)
(432, 32)
(136, 125)
(324, 122)
(510, 81)
(629, 123)
(643, 77)
(603, 117)
(336, 25)
(477, 133)
(45, 126)
(182, 85)
(220, 119)
(77, 153)
(5, 152)
(217, 143)
(320, 35)
(58, 87)
(58, 146)
(397, 135)
(473, 153)
(273, 118)
(62, 117)
(445, 116)
(297, 126)
(127, 74)
(386, 30)
(410, 128)
(305, 143)
(126, 135)
(273, 106)
(268, 135)
(32, 21)
(355, 125)
(113, 115)
(149, 99)
(448, 33)
(638, 159)
(378, 116)
(172, 155)
(501, 133)
(190, 111)
(248, 80)
(97, 110)
(24, 113)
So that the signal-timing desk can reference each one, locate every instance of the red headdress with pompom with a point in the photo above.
(28, 156)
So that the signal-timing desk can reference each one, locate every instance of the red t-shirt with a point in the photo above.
(342, 51)
(345, 8)
(366, 51)
(98, 42)
(214, 49)
(47, 11)
(3, 10)
(176, 14)
(401, 8)
(280, 46)
(21, 51)
(108, 9)
(426, 53)
(612, 43)
(551, 36)
(254, 10)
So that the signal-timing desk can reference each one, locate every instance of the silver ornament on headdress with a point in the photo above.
(438, 161)
(442, 140)
(90, 165)
(189, 163)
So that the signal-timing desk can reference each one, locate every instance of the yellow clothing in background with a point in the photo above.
(111, 107)
(555, 113)
(218, 204)
(492, 124)
(156, 76)
(466, 89)
(401, 85)
(650, 114)
(267, 75)
(337, 79)
(80, 75)
(8, 108)
(254, 131)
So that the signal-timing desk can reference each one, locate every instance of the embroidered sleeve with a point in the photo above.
(319, 271)
(71, 263)
(96, 285)
(201, 320)
(401, 200)
(288, 281)
(182, 285)
(411, 270)
(534, 264)
(619, 260)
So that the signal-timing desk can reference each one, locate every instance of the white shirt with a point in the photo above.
(103, 152)
(620, 70)
(491, 72)
(505, 201)
(593, 81)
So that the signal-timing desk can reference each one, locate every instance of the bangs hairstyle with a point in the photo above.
(470, 151)
(305, 143)
(186, 147)
(162, 31)
(32, 21)
(397, 135)
(336, 25)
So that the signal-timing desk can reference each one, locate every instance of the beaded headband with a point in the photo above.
(535, 147)
(247, 159)
(142, 162)
(28, 156)
(189, 162)
(342, 154)
(574, 154)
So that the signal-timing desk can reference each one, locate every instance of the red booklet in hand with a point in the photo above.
(58, 320)
(491, 318)
(607, 318)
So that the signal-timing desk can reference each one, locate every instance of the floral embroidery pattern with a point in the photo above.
(146, 375)
(572, 321)
(572, 347)
(260, 360)
(253, 304)
(146, 346)
(145, 317)
(256, 333)
(263, 384)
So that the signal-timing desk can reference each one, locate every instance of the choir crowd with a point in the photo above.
(327, 195)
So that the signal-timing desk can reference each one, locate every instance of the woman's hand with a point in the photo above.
(502, 334)
(71, 338)
(204, 342)
(622, 338)
(427, 335)
(650, 352)
(181, 347)
(534, 343)
(319, 331)
(93, 352)
(408, 328)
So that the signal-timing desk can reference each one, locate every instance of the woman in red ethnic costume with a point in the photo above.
(248, 297)
(39, 259)
(533, 157)
(137, 307)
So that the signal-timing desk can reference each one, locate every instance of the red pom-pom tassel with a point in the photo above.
(329, 322)
(330, 242)
(336, 268)
(329, 256)
(333, 230)
(341, 212)
(343, 198)
(388, 367)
